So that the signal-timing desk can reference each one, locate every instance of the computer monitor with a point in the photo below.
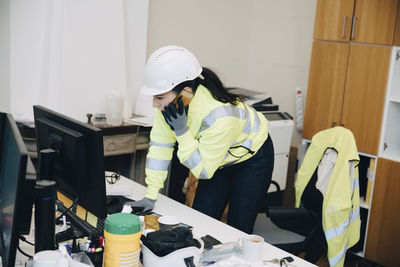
(16, 189)
(77, 165)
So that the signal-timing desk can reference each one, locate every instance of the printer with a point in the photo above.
(280, 128)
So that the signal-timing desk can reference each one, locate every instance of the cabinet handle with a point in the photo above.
(353, 28)
(344, 27)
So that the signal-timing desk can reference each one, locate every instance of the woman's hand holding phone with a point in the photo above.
(176, 116)
(185, 96)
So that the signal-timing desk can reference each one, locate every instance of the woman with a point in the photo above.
(222, 141)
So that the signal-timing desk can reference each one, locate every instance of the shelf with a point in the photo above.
(363, 204)
(395, 156)
(367, 155)
(394, 100)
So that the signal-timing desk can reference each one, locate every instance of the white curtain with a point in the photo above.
(69, 54)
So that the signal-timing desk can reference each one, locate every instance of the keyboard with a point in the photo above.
(82, 225)
(114, 205)
(69, 234)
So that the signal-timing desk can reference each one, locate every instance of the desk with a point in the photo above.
(125, 147)
(126, 139)
(202, 225)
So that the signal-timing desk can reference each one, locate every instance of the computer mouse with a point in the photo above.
(137, 210)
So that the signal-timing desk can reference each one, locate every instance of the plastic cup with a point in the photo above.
(168, 222)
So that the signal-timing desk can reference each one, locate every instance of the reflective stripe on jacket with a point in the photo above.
(340, 187)
(219, 134)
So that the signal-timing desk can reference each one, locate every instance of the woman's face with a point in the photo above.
(163, 100)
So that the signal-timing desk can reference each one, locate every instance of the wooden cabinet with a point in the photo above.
(346, 86)
(363, 21)
(354, 81)
(364, 94)
(383, 237)
(333, 20)
(374, 21)
(325, 86)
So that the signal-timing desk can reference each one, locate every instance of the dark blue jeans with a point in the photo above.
(243, 185)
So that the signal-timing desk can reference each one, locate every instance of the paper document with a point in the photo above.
(122, 187)
(143, 121)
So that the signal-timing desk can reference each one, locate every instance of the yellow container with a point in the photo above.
(122, 240)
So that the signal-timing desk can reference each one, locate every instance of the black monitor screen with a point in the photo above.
(13, 158)
(78, 166)
(68, 167)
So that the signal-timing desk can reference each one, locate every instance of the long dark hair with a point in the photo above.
(212, 82)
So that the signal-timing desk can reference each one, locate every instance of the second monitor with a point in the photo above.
(74, 156)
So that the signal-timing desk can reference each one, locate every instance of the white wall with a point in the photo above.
(69, 54)
(4, 55)
(263, 45)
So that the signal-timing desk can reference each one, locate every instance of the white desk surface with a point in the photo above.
(202, 225)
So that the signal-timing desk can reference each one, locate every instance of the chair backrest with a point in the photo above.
(332, 156)
(312, 200)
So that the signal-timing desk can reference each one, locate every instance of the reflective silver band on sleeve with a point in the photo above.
(157, 164)
(193, 160)
(247, 144)
(152, 143)
(204, 174)
(256, 125)
(221, 112)
(231, 111)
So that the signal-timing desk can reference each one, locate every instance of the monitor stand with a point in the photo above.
(44, 215)
(46, 160)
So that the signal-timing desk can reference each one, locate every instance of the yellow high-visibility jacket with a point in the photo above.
(340, 187)
(219, 134)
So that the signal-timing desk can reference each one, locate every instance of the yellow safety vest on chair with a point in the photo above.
(339, 186)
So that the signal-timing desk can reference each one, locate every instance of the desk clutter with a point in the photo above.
(146, 239)
(128, 237)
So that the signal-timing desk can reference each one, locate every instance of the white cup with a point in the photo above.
(168, 222)
(49, 258)
(252, 247)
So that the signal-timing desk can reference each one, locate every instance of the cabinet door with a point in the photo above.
(333, 20)
(364, 96)
(325, 86)
(374, 21)
(383, 227)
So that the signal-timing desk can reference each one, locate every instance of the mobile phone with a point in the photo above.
(186, 97)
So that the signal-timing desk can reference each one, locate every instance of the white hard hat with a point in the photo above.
(167, 67)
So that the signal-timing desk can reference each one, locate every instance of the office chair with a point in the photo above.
(327, 200)
(305, 222)
(294, 230)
